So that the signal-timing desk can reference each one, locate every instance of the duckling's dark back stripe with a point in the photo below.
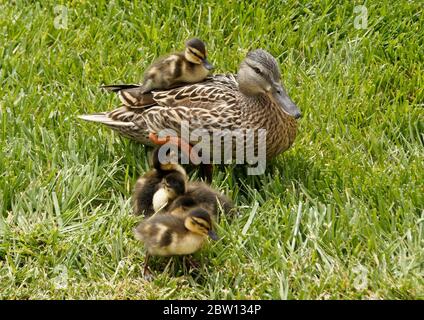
(178, 68)
(166, 238)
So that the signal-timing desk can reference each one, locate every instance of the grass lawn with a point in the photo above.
(340, 215)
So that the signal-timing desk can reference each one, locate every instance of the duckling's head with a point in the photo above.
(195, 52)
(259, 74)
(199, 221)
(172, 186)
(175, 184)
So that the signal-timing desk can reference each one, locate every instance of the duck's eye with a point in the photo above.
(257, 70)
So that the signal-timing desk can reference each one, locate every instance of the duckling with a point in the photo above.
(158, 186)
(190, 66)
(199, 194)
(166, 186)
(176, 69)
(169, 235)
(171, 186)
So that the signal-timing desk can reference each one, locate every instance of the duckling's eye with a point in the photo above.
(194, 53)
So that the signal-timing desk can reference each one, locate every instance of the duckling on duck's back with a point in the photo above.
(189, 66)
(176, 69)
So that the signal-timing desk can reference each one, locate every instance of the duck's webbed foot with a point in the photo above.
(186, 148)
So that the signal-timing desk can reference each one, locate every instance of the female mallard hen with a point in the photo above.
(255, 99)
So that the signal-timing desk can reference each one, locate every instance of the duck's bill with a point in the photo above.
(280, 97)
(213, 235)
(207, 64)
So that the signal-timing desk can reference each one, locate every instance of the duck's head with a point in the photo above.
(259, 74)
(199, 221)
(195, 52)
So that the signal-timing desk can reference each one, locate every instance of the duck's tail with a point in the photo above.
(131, 95)
(103, 118)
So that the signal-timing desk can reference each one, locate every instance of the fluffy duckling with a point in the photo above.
(199, 194)
(169, 235)
(166, 188)
(189, 66)
(159, 186)
(171, 186)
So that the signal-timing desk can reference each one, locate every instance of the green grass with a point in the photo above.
(340, 215)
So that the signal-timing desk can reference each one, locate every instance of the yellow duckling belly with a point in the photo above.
(180, 245)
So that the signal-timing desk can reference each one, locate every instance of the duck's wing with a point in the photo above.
(208, 105)
(212, 88)
(119, 87)
(131, 95)
(211, 104)
(206, 94)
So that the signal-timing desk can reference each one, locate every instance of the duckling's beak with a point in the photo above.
(213, 235)
(207, 64)
(281, 98)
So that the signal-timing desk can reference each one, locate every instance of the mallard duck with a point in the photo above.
(255, 99)
(175, 69)
(169, 235)
(160, 185)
